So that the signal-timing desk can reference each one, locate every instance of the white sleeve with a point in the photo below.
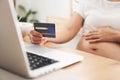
(81, 7)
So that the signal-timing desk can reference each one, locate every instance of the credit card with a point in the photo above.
(47, 29)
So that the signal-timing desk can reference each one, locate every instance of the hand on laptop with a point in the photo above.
(37, 38)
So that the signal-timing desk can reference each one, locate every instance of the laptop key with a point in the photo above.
(37, 61)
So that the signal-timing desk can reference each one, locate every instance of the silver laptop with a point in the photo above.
(27, 59)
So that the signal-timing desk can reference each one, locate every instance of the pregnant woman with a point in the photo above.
(100, 23)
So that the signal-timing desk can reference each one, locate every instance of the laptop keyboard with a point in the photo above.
(37, 61)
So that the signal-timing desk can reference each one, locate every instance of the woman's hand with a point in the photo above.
(103, 34)
(37, 38)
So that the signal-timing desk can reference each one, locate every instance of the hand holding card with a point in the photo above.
(47, 29)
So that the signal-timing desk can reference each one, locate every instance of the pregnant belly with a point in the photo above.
(106, 49)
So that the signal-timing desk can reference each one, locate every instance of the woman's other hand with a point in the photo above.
(103, 34)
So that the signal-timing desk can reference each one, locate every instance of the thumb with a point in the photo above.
(43, 40)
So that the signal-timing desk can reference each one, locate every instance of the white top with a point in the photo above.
(98, 13)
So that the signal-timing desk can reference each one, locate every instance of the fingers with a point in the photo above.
(100, 34)
(43, 41)
(93, 36)
(94, 40)
(35, 33)
(92, 33)
(35, 40)
(103, 27)
(35, 37)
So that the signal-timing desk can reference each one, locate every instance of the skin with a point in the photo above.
(103, 41)
(114, 0)
(14, 2)
(70, 30)
(104, 34)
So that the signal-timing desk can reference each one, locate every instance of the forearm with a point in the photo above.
(63, 34)
(117, 37)
(68, 31)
